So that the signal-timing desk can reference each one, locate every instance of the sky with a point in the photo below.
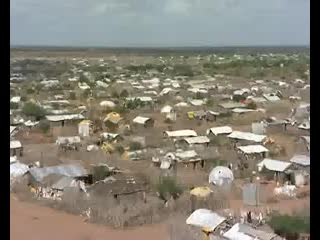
(159, 23)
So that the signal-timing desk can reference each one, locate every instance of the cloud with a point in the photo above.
(155, 22)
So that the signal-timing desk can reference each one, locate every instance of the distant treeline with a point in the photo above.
(169, 50)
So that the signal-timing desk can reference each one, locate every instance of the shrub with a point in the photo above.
(252, 105)
(115, 94)
(72, 96)
(269, 175)
(33, 110)
(124, 93)
(199, 95)
(135, 146)
(100, 173)
(14, 105)
(289, 226)
(209, 103)
(238, 98)
(30, 91)
(120, 149)
(167, 188)
(44, 126)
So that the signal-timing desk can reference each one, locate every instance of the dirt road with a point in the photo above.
(32, 222)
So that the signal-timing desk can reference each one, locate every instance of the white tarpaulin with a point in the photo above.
(220, 175)
(205, 218)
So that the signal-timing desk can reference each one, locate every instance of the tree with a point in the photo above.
(168, 187)
(33, 110)
(124, 93)
(290, 226)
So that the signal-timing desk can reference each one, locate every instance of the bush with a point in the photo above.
(72, 96)
(209, 103)
(167, 188)
(30, 91)
(238, 98)
(135, 146)
(14, 105)
(183, 70)
(199, 95)
(100, 173)
(269, 175)
(120, 149)
(33, 110)
(124, 93)
(115, 94)
(290, 226)
(44, 126)
(252, 105)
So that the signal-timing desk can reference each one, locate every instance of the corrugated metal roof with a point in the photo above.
(197, 140)
(205, 218)
(303, 160)
(181, 133)
(220, 130)
(247, 136)
(15, 144)
(141, 120)
(253, 149)
(242, 110)
(57, 118)
(186, 154)
(64, 170)
(274, 165)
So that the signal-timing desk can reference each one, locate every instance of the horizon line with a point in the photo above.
(13, 46)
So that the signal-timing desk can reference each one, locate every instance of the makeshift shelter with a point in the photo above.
(59, 122)
(180, 133)
(301, 162)
(275, 166)
(120, 186)
(205, 219)
(17, 170)
(191, 141)
(16, 148)
(107, 104)
(245, 232)
(201, 192)
(73, 171)
(84, 128)
(167, 109)
(246, 137)
(64, 120)
(253, 151)
(216, 133)
(221, 176)
(110, 137)
(143, 121)
(112, 120)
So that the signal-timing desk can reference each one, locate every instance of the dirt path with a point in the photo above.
(32, 222)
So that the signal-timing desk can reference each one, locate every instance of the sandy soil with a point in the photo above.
(32, 222)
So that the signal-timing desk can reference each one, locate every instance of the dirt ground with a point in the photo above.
(33, 222)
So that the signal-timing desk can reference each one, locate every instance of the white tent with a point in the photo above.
(220, 175)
